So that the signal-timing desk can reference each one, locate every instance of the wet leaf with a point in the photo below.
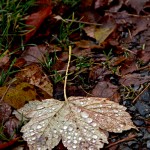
(36, 19)
(37, 54)
(5, 109)
(81, 123)
(134, 79)
(136, 4)
(10, 126)
(105, 89)
(102, 32)
(18, 94)
(33, 74)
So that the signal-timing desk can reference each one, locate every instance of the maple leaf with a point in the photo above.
(81, 122)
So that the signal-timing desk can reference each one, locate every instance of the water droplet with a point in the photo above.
(39, 127)
(75, 141)
(84, 115)
(81, 103)
(78, 110)
(70, 128)
(61, 131)
(32, 133)
(33, 138)
(76, 134)
(91, 148)
(94, 124)
(65, 127)
(121, 125)
(93, 141)
(89, 120)
(74, 146)
(55, 131)
(53, 108)
(115, 111)
(84, 130)
(80, 138)
(68, 137)
(96, 115)
(69, 141)
(89, 139)
(39, 107)
(56, 136)
(94, 137)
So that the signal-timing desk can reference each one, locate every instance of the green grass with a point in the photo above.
(12, 25)
(4, 74)
(71, 3)
(66, 29)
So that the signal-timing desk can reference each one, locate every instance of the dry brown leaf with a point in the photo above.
(33, 74)
(82, 122)
(102, 32)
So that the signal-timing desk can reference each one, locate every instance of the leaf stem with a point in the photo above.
(66, 76)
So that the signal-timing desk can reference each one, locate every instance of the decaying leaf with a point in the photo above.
(82, 122)
(33, 74)
(102, 32)
(18, 94)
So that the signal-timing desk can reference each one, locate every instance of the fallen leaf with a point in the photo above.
(38, 53)
(8, 144)
(134, 79)
(10, 127)
(5, 109)
(136, 4)
(102, 3)
(102, 32)
(34, 75)
(18, 94)
(36, 19)
(81, 123)
(129, 65)
(105, 89)
(4, 58)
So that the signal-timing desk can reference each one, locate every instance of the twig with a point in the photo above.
(141, 93)
(130, 137)
(6, 91)
(66, 76)
(71, 20)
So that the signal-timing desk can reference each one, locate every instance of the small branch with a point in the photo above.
(66, 76)
(141, 93)
(130, 137)
(72, 20)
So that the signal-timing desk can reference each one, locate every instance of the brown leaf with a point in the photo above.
(5, 110)
(36, 19)
(129, 65)
(136, 4)
(11, 125)
(81, 123)
(105, 89)
(102, 32)
(134, 79)
(38, 53)
(4, 58)
(18, 94)
(34, 75)
(102, 3)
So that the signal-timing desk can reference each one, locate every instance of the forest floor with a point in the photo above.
(110, 42)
